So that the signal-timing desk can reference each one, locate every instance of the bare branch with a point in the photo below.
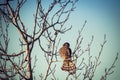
(12, 55)
(109, 71)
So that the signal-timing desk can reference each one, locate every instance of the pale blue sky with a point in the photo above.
(103, 17)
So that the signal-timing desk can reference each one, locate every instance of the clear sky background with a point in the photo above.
(103, 17)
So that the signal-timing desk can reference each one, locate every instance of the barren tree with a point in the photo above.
(48, 25)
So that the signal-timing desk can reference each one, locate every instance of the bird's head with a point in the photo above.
(66, 44)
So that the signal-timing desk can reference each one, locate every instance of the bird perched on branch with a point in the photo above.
(65, 53)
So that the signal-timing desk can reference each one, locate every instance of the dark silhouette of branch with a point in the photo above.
(12, 55)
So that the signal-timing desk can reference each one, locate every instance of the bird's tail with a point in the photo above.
(69, 66)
